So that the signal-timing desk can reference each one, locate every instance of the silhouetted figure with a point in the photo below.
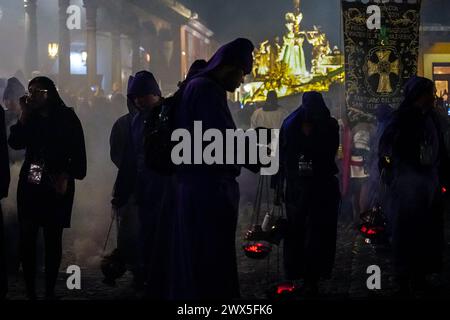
(118, 105)
(375, 195)
(359, 169)
(120, 132)
(150, 189)
(125, 202)
(415, 167)
(55, 156)
(13, 92)
(309, 140)
(271, 115)
(208, 196)
(4, 185)
(19, 75)
(3, 83)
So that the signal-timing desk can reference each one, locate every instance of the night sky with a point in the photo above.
(264, 19)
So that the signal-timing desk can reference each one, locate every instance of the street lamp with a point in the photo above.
(53, 50)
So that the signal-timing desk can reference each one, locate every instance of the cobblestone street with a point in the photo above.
(256, 277)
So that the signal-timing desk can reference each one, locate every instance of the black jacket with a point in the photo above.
(58, 140)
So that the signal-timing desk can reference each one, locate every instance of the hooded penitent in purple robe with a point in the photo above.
(208, 196)
(152, 192)
(414, 174)
(307, 164)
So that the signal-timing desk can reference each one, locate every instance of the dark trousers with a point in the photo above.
(3, 270)
(312, 210)
(53, 253)
(127, 237)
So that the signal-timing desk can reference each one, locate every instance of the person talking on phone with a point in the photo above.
(53, 139)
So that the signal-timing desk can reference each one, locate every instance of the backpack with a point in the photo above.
(157, 136)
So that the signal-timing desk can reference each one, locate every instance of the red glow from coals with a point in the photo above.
(370, 231)
(444, 190)
(257, 248)
(285, 288)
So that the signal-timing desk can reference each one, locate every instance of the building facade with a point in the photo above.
(434, 58)
(90, 43)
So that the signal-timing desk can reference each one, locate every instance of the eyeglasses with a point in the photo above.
(35, 91)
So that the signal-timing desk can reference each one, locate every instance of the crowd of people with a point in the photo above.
(177, 230)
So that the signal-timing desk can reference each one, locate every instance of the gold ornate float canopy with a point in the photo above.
(282, 67)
